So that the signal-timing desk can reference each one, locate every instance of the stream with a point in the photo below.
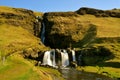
(73, 74)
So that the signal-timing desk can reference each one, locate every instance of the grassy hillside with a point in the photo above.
(17, 30)
(16, 67)
(17, 40)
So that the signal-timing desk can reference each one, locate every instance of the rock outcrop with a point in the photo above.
(98, 13)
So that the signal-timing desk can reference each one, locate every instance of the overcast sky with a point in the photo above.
(60, 5)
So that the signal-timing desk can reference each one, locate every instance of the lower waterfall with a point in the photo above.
(65, 58)
(47, 59)
(55, 59)
(73, 55)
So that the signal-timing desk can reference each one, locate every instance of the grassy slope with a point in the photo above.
(108, 27)
(13, 40)
(110, 65)
(17, 68)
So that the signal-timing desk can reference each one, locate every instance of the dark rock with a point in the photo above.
(73, 64)
(97, 12)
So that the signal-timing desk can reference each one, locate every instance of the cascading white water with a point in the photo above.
(50, 58)
(65, 58)
(43, 33)
(47, 58)
(53, 58)
(73, 55)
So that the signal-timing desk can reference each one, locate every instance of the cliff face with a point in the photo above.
(80, 28)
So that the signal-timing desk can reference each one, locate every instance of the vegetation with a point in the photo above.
(76, 30)
(97, 33)
(16, 67)
(87, 31)
(102, 59)
(16, 37)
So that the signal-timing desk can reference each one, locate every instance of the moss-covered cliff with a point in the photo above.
(76, 29)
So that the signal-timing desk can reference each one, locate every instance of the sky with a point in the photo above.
(60, 5)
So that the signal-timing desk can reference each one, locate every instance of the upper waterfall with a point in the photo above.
(43, 32)
(73, 55)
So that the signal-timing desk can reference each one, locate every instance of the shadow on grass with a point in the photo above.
(110, 64)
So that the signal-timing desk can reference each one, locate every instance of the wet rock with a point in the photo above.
(73, 64)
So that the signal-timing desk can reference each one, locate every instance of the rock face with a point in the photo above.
(64, 29)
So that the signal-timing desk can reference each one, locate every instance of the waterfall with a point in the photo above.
(73, 55)
(43, 32)
(65, 58)
(47, 58)
(51, 58)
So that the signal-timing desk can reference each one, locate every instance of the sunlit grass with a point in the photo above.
(16, 67)
(16, 38)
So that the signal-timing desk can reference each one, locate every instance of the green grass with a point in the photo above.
(110, 71)
(16, 35)
(16, 67)
(110, 64)
(16, 39)
(53, 72)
